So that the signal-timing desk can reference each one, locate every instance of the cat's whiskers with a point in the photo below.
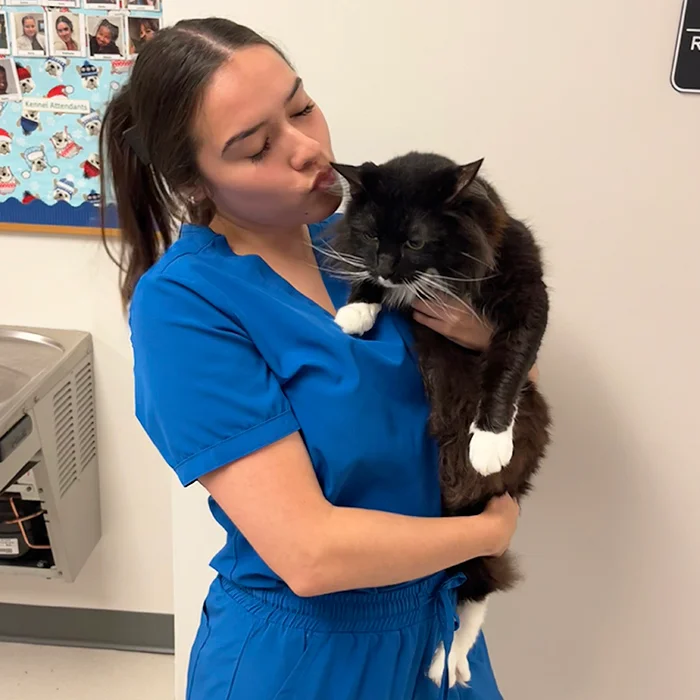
(432, 281)
(346, 258)
(475, 259)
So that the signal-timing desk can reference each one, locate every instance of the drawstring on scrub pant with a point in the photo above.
(449, 619)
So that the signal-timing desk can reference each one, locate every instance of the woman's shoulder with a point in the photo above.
(325, 227)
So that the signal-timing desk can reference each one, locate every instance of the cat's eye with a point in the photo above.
(369, 235)
(415, 245)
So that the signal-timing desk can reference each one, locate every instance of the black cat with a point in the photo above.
(422, 227)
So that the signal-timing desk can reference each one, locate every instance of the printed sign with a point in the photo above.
(686, 64)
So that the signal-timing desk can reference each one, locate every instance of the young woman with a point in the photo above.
(64, 32)
(30, 39)
(313, 444)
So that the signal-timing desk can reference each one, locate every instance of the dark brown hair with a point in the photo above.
(146, 140)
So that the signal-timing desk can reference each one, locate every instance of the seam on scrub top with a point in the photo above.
(184, 462)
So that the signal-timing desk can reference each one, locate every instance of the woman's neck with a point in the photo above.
(269, 243)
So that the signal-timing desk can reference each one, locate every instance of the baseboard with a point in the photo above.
(80, 627)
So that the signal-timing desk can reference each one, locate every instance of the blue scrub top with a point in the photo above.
(229, 357)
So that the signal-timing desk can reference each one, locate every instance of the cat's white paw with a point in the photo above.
(490, 452)
(357, 318)
(437, 667)
(458, 671)
(462, 672)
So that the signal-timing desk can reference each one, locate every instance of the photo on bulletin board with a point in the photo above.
(66, 33)
(144, 5)
(141, 30)
(4, 33)
(63, 3)
(9, 82)
(101, 4)
(106, 36)
(28, 33)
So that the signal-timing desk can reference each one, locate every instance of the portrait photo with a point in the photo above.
(29, 33)
(105, 36)
(147, 5)
(9, 83)
(4, 33)
(141, 30)
(101, 4)
(66, 33)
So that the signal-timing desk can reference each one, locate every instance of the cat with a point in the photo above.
(421, 226)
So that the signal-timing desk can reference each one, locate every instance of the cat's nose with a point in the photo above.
(385, 266)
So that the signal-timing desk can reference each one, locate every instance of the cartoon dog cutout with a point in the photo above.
(55, 65)
(5, 142)
(26, 84)
(64, 189)
(64, 144)
(89, 75)
(95, 198)
(29, 121)
(35, 157)
(8, 182)
(91, 166)
(92, 123)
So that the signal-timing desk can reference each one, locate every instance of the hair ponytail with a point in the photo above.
(158, 104)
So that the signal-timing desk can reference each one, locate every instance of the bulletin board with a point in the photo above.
(60, 63)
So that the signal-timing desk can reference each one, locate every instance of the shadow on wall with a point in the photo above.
(579, 570)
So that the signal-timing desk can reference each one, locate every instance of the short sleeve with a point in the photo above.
(204, 394)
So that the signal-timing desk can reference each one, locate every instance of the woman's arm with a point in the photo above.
(275, 500)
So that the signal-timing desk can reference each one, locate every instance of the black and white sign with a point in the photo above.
(686, 64)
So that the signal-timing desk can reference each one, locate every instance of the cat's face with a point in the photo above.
(417, 222)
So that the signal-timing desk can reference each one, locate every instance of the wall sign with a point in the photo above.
(686, 64)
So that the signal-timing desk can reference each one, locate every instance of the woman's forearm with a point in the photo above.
(364, 548)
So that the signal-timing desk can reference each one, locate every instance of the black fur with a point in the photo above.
(420, 213)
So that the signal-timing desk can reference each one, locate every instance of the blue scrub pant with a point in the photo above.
(256, 644)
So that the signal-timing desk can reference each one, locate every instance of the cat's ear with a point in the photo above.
(352, 173)
(465, 176)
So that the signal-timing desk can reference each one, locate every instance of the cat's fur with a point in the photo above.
(417, 226)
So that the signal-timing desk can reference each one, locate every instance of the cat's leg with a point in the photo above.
(490, 451)
(471, 619)
(360, 313)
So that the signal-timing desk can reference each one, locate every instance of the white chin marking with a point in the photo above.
(357, 318)
(490, 452)
(399, 296)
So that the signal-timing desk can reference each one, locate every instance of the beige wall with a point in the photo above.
(572, 107)
(63, 282)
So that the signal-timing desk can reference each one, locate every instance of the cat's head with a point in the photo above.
(419, 217)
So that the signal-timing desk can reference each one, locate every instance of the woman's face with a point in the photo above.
(146, 32)
(64, 31)
(3, 81)
(262, 143)
(29, 27)
(103, 37)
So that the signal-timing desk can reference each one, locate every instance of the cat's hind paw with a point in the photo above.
(357, 318)
(489, 452)
(458, 671)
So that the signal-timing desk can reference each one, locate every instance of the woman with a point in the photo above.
(104, 42)
(30, 39)
(312, 444)
(4, 83)
(64, 30)
(142, 29)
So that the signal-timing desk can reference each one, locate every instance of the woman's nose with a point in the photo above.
(306, 153)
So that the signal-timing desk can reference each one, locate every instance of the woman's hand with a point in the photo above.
(502, 514)
(455, 321)
(461, 324)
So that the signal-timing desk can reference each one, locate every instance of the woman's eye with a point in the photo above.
(257, 157)
(306, 111)
(415, 245)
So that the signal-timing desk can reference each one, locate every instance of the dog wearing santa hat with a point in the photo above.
(26, 84)
(5, 142)
(59, 92)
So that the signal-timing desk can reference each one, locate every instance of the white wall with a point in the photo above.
(66, 282)
(572, 107)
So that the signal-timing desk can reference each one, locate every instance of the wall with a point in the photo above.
(572, 107)
(62, 282)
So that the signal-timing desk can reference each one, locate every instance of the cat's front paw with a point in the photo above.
(357, 318)
(458, 671)
(490, 452)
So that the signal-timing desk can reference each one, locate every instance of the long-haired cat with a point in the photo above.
(422, 227)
